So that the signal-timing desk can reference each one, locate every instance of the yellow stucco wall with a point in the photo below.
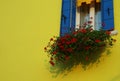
(25, 28)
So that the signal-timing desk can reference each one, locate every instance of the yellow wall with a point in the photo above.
(25, 28)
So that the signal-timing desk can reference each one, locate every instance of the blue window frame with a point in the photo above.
(68, 15)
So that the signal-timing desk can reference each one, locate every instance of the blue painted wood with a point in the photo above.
(73, 19)
(68, 16)
(107, 14)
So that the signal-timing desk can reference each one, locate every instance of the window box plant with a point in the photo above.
(83, 46)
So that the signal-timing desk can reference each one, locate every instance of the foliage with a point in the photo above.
(83, 46)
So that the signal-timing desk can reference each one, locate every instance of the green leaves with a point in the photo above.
(84, 46)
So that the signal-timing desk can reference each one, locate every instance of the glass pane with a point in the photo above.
(98, 22)
(84, 13)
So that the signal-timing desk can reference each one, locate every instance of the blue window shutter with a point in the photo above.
(107, 14)
(68, 15)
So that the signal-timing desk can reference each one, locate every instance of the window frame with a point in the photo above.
(107, 16)
(91, 14)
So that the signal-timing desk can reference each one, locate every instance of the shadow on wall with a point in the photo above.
(63, 69)
(116, 78)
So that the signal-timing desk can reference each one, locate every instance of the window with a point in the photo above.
(84, 13)
(98, 20)
(72, 15)
(89, 12)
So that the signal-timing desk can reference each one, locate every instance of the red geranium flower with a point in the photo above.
(69, 49)
(108, 32)
(114, 40)
(67, 36)
(51, 39)
(74, 33)
(86, 58)
(54, 52)
(51, 58)
(97, 40)
(67, 57)
(52, 63)
(58, 43)
(73, 40)
(83, 31)
(68, 43)
(62, 47)
(45, 48)
(87, 47)
(53, 45)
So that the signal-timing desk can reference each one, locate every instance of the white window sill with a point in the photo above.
(114, 32)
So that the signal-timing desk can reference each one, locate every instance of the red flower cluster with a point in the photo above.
(64, 43)
(78, 44)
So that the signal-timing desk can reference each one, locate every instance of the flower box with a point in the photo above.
(83, 46)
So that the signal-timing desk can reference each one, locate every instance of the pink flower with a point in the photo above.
(85, 24)
(103, 24)
(91, 29)
(91, 17)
